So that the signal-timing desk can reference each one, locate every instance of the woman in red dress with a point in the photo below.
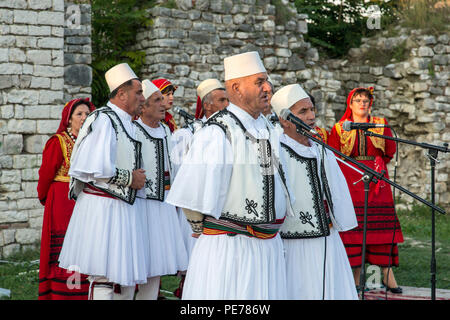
(56, 283)
(167, 89)
(383, 228)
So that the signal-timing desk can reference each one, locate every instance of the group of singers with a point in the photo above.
(240, 202)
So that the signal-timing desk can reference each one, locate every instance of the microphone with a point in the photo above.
(183, 113)
(286, 114)
(272, 117)
(348, 125)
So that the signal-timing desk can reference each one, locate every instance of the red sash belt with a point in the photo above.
(89, 189)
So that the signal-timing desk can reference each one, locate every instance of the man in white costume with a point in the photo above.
(166, 250)
(106, 238)
(211, 97)
(234, 195)
(317, 266)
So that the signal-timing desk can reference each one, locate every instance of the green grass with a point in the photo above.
(415, 252)
(20, 275)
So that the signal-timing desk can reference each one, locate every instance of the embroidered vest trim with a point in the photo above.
(244, 204)
(348, 138)
(128, 158)
(310, 218)
(66, 144)
(157, 179)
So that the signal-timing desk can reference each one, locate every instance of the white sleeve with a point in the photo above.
(343, 209)
(202, 181)
(180, 141)
(94, 160)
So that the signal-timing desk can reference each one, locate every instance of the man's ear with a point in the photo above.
(236, 88)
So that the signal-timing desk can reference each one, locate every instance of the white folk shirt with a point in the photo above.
(343, 216)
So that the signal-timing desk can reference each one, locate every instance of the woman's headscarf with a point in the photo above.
(67, 112)
(199, 113)
(163, 84)
(348, 112)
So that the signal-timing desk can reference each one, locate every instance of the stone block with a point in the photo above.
(22, 161)
(424, 51)
(39, 30)
(50, 97)
(10, 249)
(27, 236)
(48, 71)
(6, 16)
(43, 57)
(10, 68)
(47, 126)
(51, 18)
(40, 4)
(7, 41)
(78, 75)
(50, 43)
(25, 17)
(21, 126)
(22, 96)
(40, 82)
(10, 176)
(35, 143)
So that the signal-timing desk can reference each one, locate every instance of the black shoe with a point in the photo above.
(397, 290)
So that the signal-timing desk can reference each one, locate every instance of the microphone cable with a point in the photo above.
(394, 223)
(323, 171)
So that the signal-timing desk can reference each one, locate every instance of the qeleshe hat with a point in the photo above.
(118, 75)
(148, 88)
(243, 65)
(287, 96)
(207, 86)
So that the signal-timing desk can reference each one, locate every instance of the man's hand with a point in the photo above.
(138, 181)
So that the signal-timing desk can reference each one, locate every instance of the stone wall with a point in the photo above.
(37, 52)
(188, 45)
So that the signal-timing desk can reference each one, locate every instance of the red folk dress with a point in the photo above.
(383, 227)
(56, 283)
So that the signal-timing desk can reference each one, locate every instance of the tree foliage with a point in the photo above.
(336, 26)
(114, 27)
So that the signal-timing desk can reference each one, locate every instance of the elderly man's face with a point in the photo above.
(153, 108)
(305, 110)
(255, 91)
(219, 100)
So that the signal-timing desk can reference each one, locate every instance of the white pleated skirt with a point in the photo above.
(167, 252)
(236, 268)
(189, 240)
(106, 237)
(304, 269)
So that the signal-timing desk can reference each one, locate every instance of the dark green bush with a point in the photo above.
(335, 27)
(114, 27)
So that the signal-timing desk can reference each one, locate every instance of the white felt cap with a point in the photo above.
(207, 86)
(148, 88)
(242, 65)
(287, 96)
(118, 75)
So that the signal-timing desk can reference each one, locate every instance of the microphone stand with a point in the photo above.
(432, 156)
(370, 175)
